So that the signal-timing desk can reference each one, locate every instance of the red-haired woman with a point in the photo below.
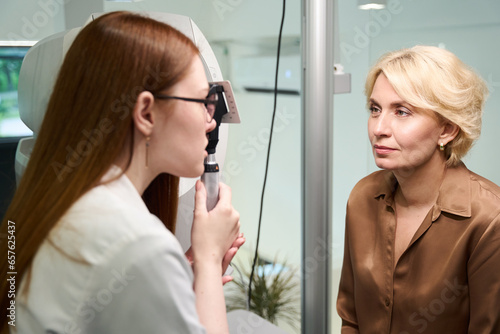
(91, 256)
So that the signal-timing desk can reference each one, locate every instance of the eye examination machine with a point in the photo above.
(37, 77)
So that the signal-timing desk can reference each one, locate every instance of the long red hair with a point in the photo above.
(87, 125)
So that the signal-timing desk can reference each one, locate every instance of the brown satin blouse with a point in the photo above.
(446, 281)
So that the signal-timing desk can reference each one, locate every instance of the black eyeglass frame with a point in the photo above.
(207, 102)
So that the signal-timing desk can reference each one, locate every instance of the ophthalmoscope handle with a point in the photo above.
(211, 181)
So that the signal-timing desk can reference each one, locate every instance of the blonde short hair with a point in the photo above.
(435, 79)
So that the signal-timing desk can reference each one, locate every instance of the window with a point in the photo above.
(11, 58)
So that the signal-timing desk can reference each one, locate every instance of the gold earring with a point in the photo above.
(441, 147)
(147, 150)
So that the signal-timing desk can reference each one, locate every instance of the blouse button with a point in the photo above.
(387, 302)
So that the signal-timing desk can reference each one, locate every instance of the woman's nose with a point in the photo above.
(381, 125)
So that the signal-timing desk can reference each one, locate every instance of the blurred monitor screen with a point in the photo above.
(11, 57)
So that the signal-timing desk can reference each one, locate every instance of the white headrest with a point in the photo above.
(38, 75)
(42, 62)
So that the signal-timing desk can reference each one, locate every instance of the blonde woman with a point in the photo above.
(91, 257)
(422, 244)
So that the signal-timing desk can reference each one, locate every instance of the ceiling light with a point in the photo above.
(371, 4)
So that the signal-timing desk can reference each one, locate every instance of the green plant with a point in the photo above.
(275, 292)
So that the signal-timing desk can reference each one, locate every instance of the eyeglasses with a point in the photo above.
(210, 102)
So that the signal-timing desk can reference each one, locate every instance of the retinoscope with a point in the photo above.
(225, 112)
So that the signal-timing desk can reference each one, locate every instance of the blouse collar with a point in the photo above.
(454, 194)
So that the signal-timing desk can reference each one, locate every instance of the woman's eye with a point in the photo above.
(374, 109)
(402, 112)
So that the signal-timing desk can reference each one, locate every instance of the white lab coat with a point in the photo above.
(127, 273)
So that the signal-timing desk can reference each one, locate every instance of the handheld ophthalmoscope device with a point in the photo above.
(225, 112)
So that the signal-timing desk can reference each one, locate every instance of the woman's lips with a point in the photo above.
(382, 150)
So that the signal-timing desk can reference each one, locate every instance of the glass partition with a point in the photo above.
(246, 49)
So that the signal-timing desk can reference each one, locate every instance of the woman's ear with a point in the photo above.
(449, 132)
(143, 115)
